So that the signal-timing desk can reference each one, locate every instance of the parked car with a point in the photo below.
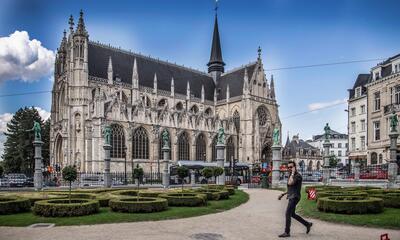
(29, 182)
(312, 177)
(89, 180)
(4, 182)
(16, 179)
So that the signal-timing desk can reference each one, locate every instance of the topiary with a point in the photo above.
(350, 204)
(341, 193)
(182, 172)
(139, 204)
(185, 199)
(217, 171)
(207, 173)
(138, 174)
(66, 208)
(70, 174)
(12, 204)
(391, 199)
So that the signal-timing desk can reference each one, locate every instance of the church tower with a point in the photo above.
(216, 64)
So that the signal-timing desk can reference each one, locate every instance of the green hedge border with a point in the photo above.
(321, 194)
(350, 204)
(10, 205)
(185, 199)
(139, 205)
(62, 207)
(126, 193)
(391, 200)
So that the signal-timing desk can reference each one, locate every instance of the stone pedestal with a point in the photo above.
(192, 178)
(276, 163)
(325, 170)
(220, 162)
(356, 169)
(165, 162)
(392, 168)
(107, 175)
(38, 175)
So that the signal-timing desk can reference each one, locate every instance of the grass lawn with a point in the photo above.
(107, 216)
(389, 218)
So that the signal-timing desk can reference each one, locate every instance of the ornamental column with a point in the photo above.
(37, 143)
(165, 150)
(393, 135)
(326, 145)
(220, 148)
(107, 158)
(276, 159)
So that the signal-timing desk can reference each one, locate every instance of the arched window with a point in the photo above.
(179, 106)
(374, 158)
(161, 144)
(146, 101)
(183, 147)
(230, 149)
(309, 168)
(262, 113)
(318, 165)
(301, 165)
(140, 142)
(194, 109)
(236, 120)
(208, 112)
(380, 158)
(201, 148)
(162, 102)
(117, 141)
(214, 148)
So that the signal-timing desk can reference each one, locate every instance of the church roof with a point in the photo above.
(122, 65)
(235, 80)
(216, 52)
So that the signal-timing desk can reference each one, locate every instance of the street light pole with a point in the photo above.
(125, 179)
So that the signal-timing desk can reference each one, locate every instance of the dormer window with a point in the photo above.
(377, 75)
(358, 91)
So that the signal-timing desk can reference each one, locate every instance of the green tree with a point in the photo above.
(46, 143)
(217, 171)
(1, 171)
(69, 174)
(182, 173)
(138, 175)
(18, 149)
(207, 172)
(333, 161)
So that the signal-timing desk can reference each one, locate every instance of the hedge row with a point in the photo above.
(149, 194)
(128, 193)
(139, 204)
(185, 199)
(321, 194)
(62, 207)
(391, 200)
(322, 188)
(350, 204)
(9, 205)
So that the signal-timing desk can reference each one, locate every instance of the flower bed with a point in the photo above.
(62, 207)
(9, 205)
(138, 204)
(350, 204)
(185, 199)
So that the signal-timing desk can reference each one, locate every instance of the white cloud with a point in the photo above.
(321, 105)
(24, 59)
(4, 119)
(43, 113)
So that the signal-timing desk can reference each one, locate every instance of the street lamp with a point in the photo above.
(125, 179)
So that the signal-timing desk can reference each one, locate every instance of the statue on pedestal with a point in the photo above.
(37, 130)
(327, 130)
(393, 122)
(107, 135)
(165, 138)
(276, 136)
(221, 136)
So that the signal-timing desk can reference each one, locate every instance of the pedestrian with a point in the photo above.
(293, 195)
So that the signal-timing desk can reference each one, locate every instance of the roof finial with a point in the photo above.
(259, 52)
(216, 7)
(71, 23)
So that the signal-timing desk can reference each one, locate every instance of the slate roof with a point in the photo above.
(122, 63)
(235, 80)
(216, 53)
(362, 80)
(386, 66)
(334, 135)
(293, 146)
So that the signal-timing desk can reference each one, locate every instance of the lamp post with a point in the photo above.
(125, 179)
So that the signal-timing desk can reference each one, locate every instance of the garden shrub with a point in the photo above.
(75, 195)
(350, 204)
(229, 188)
(152, 194)
(212, 194)
(10, 204)
(139, 204)
(322, 188)
(185, 199)
(62, 207)
(36, 196)
(127, 193)
(104, 199)
(391, 199)
(341, 193)
(359, 188)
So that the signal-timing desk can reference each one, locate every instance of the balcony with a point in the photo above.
(388, 109)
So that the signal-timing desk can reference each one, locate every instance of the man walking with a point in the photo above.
(293, 194)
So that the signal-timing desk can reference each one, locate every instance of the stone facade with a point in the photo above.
(338, 147)
(96, 85)
(306, 156)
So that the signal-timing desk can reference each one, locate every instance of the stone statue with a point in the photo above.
(276, 136)
(327, 130)
(165, 138)
(107, 134)
(37, 130)
(221, 135)
(393, 122)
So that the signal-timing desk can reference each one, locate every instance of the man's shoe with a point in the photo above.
(284, 235)
(309, 227)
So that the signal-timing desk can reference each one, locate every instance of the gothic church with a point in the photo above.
(139, 97)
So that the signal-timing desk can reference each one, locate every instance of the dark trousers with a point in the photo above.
(290, 213)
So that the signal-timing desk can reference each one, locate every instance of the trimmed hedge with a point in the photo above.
(139, 204)
(391, 200)
(321, 194)
(360, 188)
(9, 205)
(149, 194)
(229, 188)
(127, 193)
(212, 194)
(75, 195)
(350, 204)
(322, 188)
(185, 199)
(36, 196)
(62, 207)
(105, 198)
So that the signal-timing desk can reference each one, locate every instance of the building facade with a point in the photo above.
(358, 120)
(383, 96)
(306, 156)
(339, 145)
(96, 85)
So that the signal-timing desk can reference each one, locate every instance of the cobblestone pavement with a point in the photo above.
(260, 218)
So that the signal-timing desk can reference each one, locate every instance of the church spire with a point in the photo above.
(216, 64)
(80, 29)
(272, 88)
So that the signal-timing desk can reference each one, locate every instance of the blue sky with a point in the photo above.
(290, 32)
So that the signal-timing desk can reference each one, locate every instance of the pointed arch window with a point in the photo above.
(201, 148)
(117, 140)
(183, 147)
(262, 116)
(236, 120)
(230, 149)
(140, 143)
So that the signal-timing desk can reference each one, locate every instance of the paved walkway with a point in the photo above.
(260, 218)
